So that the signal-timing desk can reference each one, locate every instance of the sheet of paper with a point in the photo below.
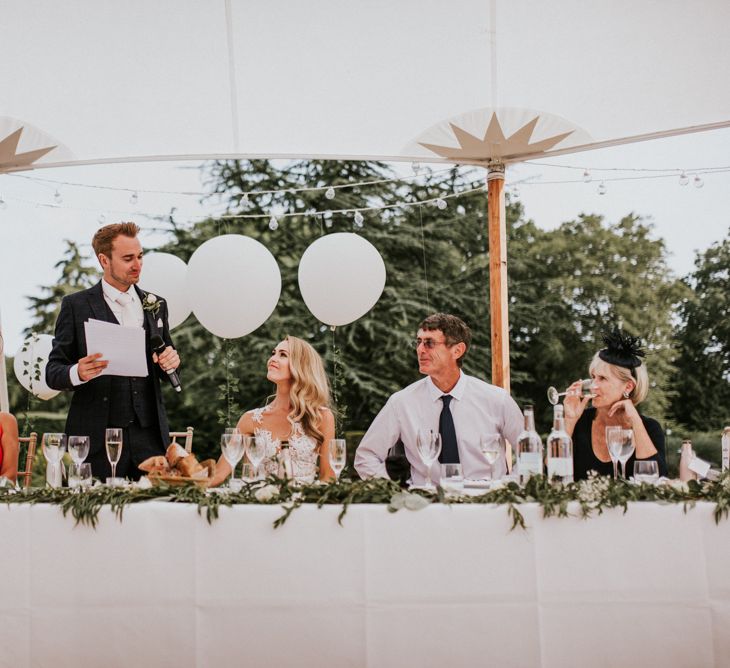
(124, 347)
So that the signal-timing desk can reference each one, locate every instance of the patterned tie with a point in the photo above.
(129, 314)
(449, 449)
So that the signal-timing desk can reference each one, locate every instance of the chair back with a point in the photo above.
(25, 475)
(187, 435)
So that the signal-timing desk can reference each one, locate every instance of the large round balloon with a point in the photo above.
(341, 277)
(233, 285)
(30, 365)
(164, 274)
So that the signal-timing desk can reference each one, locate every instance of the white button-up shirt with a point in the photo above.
(478, 408)
(110, 296)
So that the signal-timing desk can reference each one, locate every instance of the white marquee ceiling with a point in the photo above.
(106, 81)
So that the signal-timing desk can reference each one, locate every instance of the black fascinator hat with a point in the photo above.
(621, 349)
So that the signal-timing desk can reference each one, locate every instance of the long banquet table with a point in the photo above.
(443, 586)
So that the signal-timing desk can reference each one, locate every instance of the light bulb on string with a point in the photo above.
(587, 178)
(58, 197)
(245, 200)
(683, 179)
(416, 167)
(273, 223)
(102, 219)
(134, 198)
(358, 219)
(441, 203)
(330, 193)
(515, 191)
(697, 181)
(601, 188)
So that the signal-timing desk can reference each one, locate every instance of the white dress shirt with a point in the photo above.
(110, 296)
(477, 408)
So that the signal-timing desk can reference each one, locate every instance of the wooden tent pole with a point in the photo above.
(499, 315)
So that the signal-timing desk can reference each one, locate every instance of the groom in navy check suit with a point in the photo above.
(133, 404)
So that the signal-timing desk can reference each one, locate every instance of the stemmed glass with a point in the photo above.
(627, 449)
(428, 444)
(491, 447)
(614, 439)
(78, 448)
(338, 455)
(586, 390)
(113, 444)
(232, 449)
(54, 445)
(256, 451)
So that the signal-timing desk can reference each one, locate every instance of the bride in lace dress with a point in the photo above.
(299, 414)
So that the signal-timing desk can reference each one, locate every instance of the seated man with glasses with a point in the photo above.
(461, 408)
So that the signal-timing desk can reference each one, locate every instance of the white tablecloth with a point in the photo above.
(444, 586)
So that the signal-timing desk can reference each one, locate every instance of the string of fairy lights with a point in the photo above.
(247, 199)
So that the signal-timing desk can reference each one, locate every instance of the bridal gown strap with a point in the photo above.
(302, 448)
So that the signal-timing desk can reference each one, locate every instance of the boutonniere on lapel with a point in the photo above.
(151, 303)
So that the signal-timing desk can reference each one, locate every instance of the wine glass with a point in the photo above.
(627, 449)
(491, 447)
(428, 444)
(646, 471)
(232, 449)
(256, 451)
(78, 448)
(586, 390)
(113, 444)
(614, 438)
(54, 445)
(338, 455)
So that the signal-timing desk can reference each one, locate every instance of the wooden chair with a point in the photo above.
(187, 435)
(27, 474)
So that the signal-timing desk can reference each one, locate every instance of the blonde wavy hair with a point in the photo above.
(640, 379)
(310, 388)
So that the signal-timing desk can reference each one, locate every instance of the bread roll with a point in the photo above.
(158, 462)
(210, 466)
(189, 465)
(175, 453)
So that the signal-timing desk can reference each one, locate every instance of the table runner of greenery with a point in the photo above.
(593, 496)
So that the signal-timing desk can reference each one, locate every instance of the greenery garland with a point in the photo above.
(593, 496)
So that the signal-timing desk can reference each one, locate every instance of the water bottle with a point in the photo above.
(685, 459)
(286, 471)
(559, 449)
(529, 448)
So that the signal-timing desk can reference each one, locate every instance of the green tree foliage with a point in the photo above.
(702, 400)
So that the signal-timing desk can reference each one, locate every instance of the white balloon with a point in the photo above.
(164, 275)
(233, 285)
(341, 277)
(32, 359)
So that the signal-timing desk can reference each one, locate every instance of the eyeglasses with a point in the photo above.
(429, 344)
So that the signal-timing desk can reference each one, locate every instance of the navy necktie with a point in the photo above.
(449, 449)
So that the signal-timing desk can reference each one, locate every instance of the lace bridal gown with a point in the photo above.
(302, 448)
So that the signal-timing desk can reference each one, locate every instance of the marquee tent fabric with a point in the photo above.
(89, 81)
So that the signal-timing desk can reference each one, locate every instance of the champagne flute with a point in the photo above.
(113, 444)
(256, 451)
(54, 445)
(586, 390)
(428, 444)
(614, 438)
(78, 448)
(627, 449)
(491, 447)
(232, 449)
(338, 455)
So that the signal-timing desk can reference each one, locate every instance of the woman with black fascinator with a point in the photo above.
(620, 383)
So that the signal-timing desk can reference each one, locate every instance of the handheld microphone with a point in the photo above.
(158, 346)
